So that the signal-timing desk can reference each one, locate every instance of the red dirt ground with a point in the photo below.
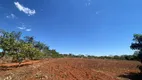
(69, 69)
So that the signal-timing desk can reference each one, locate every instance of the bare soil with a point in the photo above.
(71, 69)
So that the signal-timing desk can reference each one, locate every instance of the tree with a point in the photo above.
(137, 45)
(41, 46)
(135, 55)
(12, 45)
(16, 35)
(29, 39)
(6, 42)
(27, 48)
(54, 53)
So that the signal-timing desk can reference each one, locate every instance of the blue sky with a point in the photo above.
(94, 27)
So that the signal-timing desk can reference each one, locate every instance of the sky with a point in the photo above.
(89, 27)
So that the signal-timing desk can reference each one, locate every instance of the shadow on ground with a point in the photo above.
(133, 76)
(10, 66)
(6, 68)
(2, 68)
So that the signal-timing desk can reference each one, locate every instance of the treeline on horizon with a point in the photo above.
(117, 57)
(17, 48)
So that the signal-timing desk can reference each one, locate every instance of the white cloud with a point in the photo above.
(12, 16)
(28, 30)
(26, 10)
(88, 2)
(98, 12)
(22, 28)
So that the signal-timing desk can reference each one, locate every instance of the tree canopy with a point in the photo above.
(17, 47)
(137, 45)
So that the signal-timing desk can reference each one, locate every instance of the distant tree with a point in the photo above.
(54, 53)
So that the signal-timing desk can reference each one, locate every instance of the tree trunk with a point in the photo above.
(2, 54)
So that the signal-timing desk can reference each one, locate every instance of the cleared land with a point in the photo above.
(71, 69)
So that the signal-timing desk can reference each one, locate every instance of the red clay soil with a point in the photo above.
(69, 69)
